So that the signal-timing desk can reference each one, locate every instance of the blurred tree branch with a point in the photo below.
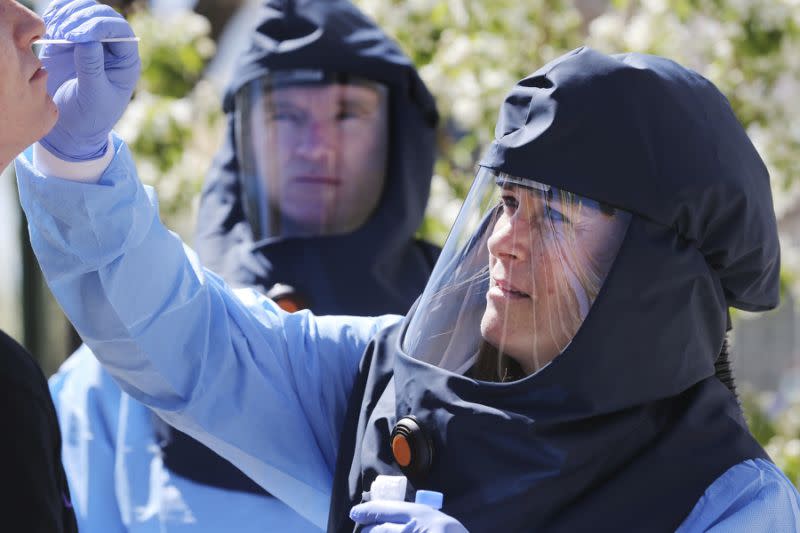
(218, 12)
(126, 7)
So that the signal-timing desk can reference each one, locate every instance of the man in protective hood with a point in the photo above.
(558, 372)
(314, 200)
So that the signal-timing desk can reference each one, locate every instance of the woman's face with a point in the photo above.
(549, 253)
(26, 111)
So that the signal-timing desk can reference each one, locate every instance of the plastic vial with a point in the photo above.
(431, 498)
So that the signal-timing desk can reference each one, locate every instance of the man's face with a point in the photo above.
(322, 151)
(26, 111)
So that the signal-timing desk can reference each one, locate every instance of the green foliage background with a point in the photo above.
(174, 123)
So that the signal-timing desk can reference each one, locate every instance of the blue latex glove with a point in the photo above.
(391, 516)
(91, 83)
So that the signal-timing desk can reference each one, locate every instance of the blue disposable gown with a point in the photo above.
(266, 389)
(116, 471)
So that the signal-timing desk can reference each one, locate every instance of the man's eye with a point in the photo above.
(286, 116)
(350, 114)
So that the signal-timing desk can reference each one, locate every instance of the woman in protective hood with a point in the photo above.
(314, 200)
(557, 373)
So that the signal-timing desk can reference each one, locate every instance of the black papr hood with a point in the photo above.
(658, 140)
(378, 269)
(382, 256)
(626, 428)
(644, 134)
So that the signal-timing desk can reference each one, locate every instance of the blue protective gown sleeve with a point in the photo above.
(266, 389)
(753, 496)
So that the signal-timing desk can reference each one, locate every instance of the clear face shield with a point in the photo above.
(517, 277)
(312, 148)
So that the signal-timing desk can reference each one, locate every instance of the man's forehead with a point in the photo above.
(300, 94)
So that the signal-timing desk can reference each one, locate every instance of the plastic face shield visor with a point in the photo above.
(312, 148)
(517, 277)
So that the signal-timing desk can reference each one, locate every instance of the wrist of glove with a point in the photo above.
(393, 516)
(90, 82)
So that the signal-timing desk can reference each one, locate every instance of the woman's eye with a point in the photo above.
(557, 216)
(510, 203)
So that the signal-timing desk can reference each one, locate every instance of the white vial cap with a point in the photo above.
(388, 488)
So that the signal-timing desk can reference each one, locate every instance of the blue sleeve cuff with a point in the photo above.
(85, 225)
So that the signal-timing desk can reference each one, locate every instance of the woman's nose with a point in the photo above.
(509, 241)
(28, 27)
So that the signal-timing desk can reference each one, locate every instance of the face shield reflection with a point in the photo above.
(313, 149)
(516, 279)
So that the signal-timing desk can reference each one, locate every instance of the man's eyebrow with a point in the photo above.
(352, 102)
(343, 103)
(280, 103)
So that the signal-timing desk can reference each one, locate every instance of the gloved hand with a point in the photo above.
(385, 516)
(91, 83)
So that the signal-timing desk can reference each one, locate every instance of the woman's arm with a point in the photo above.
(265, 389)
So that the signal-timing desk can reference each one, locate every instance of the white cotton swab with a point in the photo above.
(109, 40)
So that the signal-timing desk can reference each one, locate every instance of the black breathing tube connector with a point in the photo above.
(723, 370)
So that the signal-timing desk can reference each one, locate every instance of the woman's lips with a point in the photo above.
(39, 74)
(505, 289)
